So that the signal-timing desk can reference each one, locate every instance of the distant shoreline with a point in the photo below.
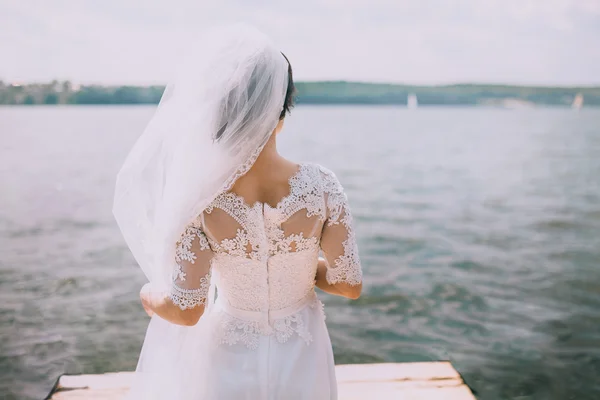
(318, 105)
(318, 93)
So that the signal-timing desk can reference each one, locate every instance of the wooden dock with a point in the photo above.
(405, 381)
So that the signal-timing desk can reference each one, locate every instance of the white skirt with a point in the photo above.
(237, 354)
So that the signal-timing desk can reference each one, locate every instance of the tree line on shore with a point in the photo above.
(330, 92)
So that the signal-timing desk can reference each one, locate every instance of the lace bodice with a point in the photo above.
(262, 258)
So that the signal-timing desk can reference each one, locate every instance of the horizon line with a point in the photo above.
(326, 81)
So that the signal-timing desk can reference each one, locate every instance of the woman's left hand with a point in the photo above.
(146, 298)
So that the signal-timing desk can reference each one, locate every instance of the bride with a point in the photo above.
(230, 233)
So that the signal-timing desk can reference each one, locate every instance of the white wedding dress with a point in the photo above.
(265, 336)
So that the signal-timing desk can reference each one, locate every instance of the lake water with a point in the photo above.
(479, 231)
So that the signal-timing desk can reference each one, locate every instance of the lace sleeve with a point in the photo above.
(338, 240)
(191, 275)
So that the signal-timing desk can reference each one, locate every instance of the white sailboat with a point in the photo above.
(411, 101)
(577, 102)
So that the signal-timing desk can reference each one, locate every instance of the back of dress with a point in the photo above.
(263, 261)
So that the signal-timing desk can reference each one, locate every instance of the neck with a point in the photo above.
(268, 158)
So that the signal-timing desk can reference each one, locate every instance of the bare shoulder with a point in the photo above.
(287, 168)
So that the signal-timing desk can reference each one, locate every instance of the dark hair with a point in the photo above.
(290, 93)
(229, 105)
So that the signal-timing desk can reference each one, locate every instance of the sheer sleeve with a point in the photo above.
(191, 275)
(338, 241)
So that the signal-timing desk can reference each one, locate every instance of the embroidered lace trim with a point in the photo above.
(190, 298)
(347, 266)
(304, 194)
(183, 251)
(232, 330)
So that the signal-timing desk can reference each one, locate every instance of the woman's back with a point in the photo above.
(266, 332)
(264, 256)
(205, 197)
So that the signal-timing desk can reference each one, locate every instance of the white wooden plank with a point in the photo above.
(392, 390)
(407, 385)
(398, 371)
(406, 381)
(95, 382)
(100, 394)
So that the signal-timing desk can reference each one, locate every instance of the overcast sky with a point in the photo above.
(416, 41)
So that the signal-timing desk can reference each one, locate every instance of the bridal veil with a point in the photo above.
(213, 120)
